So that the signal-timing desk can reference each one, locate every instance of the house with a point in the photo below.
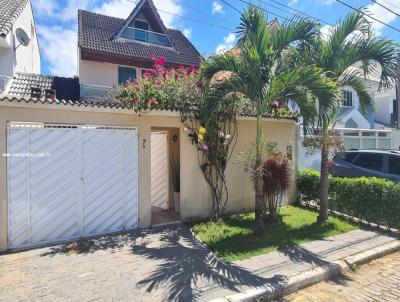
(376, 130)
(78, 168)
(113, 50)
(19, 48)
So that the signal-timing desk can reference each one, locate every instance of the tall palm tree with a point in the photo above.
(348, 54)
(260, 70)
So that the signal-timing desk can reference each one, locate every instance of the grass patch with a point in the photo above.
(232, 237)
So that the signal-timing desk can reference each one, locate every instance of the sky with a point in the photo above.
(209, 24)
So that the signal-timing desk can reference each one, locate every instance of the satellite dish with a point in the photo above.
(22, 37)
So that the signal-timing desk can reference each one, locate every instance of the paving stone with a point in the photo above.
(166, 264)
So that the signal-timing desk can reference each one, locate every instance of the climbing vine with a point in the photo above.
(207, 113)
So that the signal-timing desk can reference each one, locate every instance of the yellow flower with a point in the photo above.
(202, 130)
(200, 137)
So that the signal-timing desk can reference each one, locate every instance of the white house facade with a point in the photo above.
(16, 18)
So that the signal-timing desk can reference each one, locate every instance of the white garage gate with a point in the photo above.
(70, 181)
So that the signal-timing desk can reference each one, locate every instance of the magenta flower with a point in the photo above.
(205, 148)
(160, 61)
(152, 56)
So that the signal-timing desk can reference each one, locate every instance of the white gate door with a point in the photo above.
(159, 170)
(70, 181)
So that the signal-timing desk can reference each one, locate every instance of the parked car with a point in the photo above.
(368, 163)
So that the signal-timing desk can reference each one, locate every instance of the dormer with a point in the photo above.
(145, 25)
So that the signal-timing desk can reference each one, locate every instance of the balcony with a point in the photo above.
(146, 36)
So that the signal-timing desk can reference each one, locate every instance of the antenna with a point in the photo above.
(22, 37)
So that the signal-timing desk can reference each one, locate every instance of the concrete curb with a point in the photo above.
(302, 280)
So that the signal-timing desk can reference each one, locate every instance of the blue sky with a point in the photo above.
(56, 22)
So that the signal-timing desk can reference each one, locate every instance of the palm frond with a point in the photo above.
(353, 78)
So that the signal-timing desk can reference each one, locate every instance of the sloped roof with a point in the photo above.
(96, 34)
(9, 12)
(66, 88)
(137, 10)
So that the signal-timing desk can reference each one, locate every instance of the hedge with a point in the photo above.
(372, 199)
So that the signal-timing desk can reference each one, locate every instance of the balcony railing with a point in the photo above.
(4, 82)
(98, 92)
(146, 36)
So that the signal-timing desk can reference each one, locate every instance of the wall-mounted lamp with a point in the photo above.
(193, 136)
(289, 152)
(175, 138)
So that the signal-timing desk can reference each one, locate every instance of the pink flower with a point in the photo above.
(135, 101)
(151, 103)
(165, 73)
(152, 56)
(158, 84)
(205, 148)
(160, 61)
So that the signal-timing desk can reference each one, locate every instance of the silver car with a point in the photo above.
(368, 163)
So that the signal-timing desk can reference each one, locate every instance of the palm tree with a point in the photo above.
(260, 70)
(348, 55)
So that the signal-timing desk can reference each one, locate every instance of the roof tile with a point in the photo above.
(9, 12)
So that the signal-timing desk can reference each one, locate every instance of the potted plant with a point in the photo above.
(176, 180)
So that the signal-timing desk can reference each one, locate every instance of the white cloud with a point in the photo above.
(380, 13)
(327, 2)
(187, 32)
(63, 13)
(229, 43)
(217, 8)
(293, 2)
(59, 47)
(122, 9)
(326, 31)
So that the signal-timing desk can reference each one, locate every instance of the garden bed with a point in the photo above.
(232, 237)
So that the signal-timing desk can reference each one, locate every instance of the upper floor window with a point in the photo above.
(347, 98)
(142, 33)
(126, 74)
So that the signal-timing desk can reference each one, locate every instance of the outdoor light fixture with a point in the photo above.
(193, 136)
(289, 152)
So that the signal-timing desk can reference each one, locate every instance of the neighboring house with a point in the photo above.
(112, 51)
(358, 131)
(19, 48)
(77, 168)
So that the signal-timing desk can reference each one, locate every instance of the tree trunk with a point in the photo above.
(324, 186)
(259, 185)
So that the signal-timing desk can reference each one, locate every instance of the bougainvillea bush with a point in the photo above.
(162, 88)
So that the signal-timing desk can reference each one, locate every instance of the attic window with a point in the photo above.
(36, 92)
(141, 33)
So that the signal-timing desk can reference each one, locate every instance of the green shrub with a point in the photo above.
(372, 199)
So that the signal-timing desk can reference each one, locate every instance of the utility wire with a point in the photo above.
(387, 8)
(265, 10)
(190, 19)
(231, 6)
(296, 10)
(369, 16)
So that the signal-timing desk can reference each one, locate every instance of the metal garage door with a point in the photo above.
(67, 181)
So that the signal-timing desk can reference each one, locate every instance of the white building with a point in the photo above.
(19, 48)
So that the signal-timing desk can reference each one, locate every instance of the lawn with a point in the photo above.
(232, 237)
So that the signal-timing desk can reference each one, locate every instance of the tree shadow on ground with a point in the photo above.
(188, 269)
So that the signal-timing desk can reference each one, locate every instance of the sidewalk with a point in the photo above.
(276, 267)
(162, 264)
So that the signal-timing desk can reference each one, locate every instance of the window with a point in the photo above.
(394, 165)
(349, 157)
(126, 74)
(347, 98)
(370, 161)
(141, 35)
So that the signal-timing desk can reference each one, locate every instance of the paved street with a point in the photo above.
(378, 281)
(162, 264)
